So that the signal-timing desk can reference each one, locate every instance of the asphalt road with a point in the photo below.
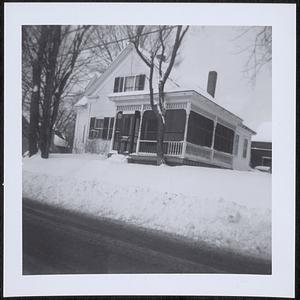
(56, 241)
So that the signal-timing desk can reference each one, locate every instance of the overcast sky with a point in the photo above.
(214, 48)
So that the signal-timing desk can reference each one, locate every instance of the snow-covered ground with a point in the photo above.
(225, 208)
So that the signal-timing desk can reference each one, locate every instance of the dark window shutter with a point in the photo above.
(140, 82)
(105, 128)
(92, 123)
(116, 85)
(121, 84)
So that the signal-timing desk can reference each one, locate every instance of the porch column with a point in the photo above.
(140, 130)
(113, 133)
(187, 110)
(213, 139)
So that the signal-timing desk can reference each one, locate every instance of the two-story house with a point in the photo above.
(115, 115)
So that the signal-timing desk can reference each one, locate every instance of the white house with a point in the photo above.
(115, 114)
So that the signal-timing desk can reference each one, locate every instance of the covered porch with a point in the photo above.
(192, 136)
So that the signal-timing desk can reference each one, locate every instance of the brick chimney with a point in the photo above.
(211, 83)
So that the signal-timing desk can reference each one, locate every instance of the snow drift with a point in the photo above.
(227, 209)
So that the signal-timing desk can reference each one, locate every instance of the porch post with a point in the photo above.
(213, 139)
(113, 132)
(140, 129)
(187, 110)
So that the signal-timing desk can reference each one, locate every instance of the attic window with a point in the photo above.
(129, 83)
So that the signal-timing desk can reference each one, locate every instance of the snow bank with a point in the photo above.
(229, 209)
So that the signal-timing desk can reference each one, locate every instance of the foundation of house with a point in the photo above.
(171, 161)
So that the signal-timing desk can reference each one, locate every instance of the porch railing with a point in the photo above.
(173, 148)
(192, 151)
(210, 155)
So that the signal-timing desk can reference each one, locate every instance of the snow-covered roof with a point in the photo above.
(82, 101)
(264, 132)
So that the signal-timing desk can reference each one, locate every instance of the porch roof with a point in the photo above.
(136, 95)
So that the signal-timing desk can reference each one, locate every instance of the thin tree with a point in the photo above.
(162, 50)
(55, 66)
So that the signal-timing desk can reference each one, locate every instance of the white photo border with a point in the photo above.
(282, 18)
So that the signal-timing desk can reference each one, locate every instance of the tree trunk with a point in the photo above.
(34, 109)
(160, 115)
(54, 39)
(160, 140)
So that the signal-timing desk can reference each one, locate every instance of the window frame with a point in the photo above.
(136, 83)
(132, 88)
(200, 130)
(236, 144)
(222, 141)
(96, 132)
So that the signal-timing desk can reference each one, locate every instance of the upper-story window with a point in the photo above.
(129, 83)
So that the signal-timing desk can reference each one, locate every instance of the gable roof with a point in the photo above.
(122, 55)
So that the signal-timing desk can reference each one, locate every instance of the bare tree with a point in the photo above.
(162, 48)
(105, 43)
(258, 49)
(37, 62)
(54, 52)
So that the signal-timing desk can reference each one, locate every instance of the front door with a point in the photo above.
(127, 133)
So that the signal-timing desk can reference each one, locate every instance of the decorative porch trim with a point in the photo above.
(179, 105)
(130, 107)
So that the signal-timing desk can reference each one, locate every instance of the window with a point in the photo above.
(99, 128)
(129, 83)
(236, 144)
(200, 130)
(175, 125)
(223, 139)
(245, 148)
(149, 126)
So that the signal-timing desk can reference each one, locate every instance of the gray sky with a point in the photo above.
(213, 48)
